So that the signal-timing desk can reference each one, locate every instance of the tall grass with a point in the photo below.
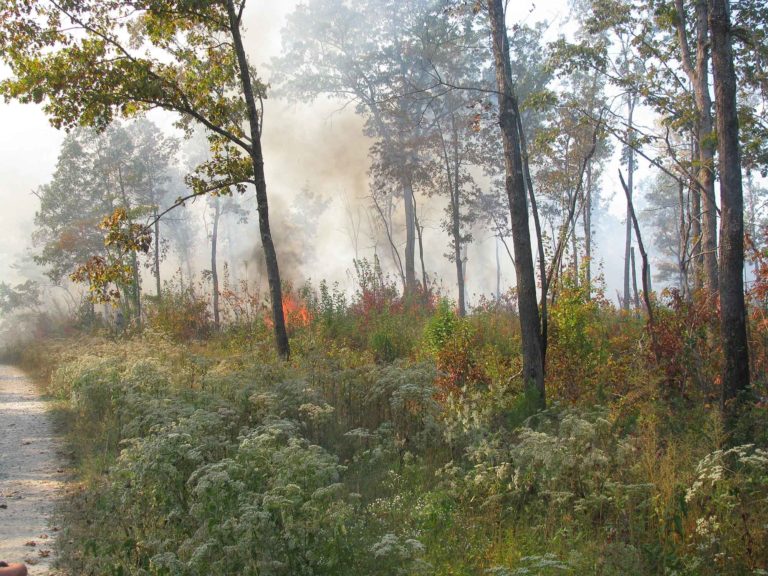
(398, 441)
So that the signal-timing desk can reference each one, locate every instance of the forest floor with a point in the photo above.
(32, 474)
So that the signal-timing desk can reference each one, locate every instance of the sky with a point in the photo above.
(318, 146)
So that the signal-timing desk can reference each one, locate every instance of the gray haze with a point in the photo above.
(318, 147)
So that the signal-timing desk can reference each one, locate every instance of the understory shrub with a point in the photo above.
(401, 442)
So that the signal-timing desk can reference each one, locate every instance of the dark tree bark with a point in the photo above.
(543, 309)
(530, 327)
(634, 278)
(735, 378)
(257, 159)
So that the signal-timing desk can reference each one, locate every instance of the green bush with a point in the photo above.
(212, 456)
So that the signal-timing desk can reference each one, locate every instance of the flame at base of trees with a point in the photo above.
(296, 313)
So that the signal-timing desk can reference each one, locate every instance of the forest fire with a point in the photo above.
(295, 311)
(374, 332)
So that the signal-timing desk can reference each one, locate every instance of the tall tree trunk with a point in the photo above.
(498, 272)
(735, 378)
(694, 216)
(530, 327)
(698, 74)
(543, 311)
(386, 221)
(409, 201)
(410, 236)
(214, 265)
(230, 263)
(158, 291)
(456, 214)
(634, 279)
(419, 237)
(706, 150)
(452, 168)
(751, 227)
(257, 159)
(646, 267)
(575, 250)
(630, 187)
(136, 287)
(697, 254)
(588, 231)
(684, 240)
(457, 252)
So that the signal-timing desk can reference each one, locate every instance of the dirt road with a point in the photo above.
(31, 474)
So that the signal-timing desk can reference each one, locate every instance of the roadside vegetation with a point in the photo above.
(399, 440)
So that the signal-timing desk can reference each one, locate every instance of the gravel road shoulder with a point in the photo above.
(31, 474)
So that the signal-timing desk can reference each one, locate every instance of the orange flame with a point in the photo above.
(295, 312)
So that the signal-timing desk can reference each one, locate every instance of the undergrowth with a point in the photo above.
(398, 440)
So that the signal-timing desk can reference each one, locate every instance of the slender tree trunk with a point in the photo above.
(634, 279)
(457, 255)
(419, 237)
(646, 267)
(408, 198)
(698, 74)
(188, 266)
(683, 246)
(733, 327)
(588, 231)
(214, 265)
(409, 201)
(410, 236)
(386, 220)
(696, 231)
(464, 260)
(694, 201)
(751, 227)
(230, 260)
(706, 149)
(543, 311)
(630, 187)
(257, 159)
(452, 167)
(530, 327)
(498, 270)
(136, 287)
(158, 291)
(575, 250)
(461, 253)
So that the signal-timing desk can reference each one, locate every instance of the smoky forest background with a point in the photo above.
(447, 287)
